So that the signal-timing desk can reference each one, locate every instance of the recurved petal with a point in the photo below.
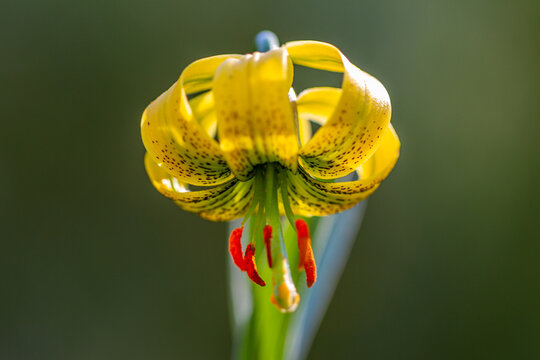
(205, 112)
(314, 105)
(255, 118)
(317, 104)
(354, 129)
(304, 130)
(311, 197)
(224, 202)
(173, 135)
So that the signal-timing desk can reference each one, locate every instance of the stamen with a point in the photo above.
(306, 260)
(235, 248)
(267, 233)
(258, 191)
(311, 268)
(302, 232)
(285, 198)
(251, 267)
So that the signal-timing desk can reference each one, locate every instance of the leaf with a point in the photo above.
(333, 240)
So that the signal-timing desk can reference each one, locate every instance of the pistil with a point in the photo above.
(284, 296)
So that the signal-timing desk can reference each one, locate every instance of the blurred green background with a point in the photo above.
(95, 264)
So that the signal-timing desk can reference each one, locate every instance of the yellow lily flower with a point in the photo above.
(232, 125)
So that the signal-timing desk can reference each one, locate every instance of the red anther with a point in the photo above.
(302, 231)
(235, 248)
(306, 260)
(310, 267)
(251, 267)
(267, 233)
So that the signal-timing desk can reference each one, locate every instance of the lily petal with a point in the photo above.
(255, 117)
(311, 197)
(221, 203)
(317, 104)
(204, 111)
(353, 131)
(174, 138)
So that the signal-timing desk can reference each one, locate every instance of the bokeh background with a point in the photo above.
(95, 264)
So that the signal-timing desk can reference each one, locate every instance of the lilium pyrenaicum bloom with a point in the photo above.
(266, 162)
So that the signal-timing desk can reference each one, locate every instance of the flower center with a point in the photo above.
(265, 228)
